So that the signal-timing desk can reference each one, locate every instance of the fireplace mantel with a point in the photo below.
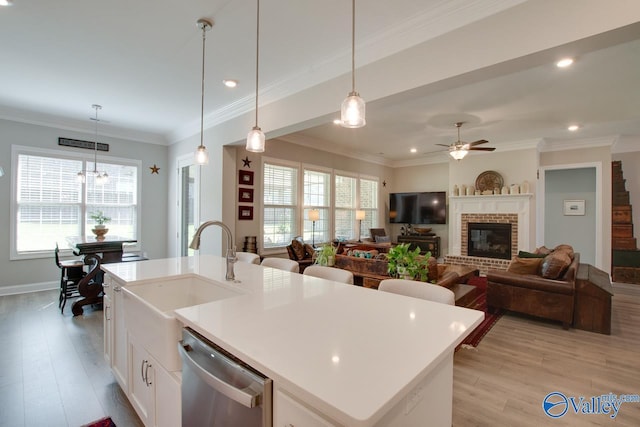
(519, 204)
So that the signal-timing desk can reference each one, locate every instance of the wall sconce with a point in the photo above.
(313, 215)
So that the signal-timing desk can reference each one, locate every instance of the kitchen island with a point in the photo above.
(337, 354)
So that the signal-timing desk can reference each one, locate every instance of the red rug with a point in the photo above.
(480, 303)
(103, 422)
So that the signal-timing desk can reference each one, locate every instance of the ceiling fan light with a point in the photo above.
(352, 112)
(202, 155)
(458, 154)
(255, 140)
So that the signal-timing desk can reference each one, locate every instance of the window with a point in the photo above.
(317, 195)
(279, 205)
(51, 205)
(284, 217)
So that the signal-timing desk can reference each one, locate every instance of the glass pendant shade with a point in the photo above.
(255, 140)
(202, 155)
(80, 177)
(459, 154)
(352, 112)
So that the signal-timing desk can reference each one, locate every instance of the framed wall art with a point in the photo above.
(245, 195)
(245, 177)
(574, 207)
(245, 212)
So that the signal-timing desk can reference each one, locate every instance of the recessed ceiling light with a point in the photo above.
(228, 82)
(563, 63)
(414, 150)
(6, 2)
(337, 121)
(573, 128)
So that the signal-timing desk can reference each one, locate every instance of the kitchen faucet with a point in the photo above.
(231, 251)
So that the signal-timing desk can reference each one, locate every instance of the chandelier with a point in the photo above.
(101, 177)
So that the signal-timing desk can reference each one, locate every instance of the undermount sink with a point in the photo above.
(149, 312)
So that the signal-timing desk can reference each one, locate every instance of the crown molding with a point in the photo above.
(626, 144)
(549, 145)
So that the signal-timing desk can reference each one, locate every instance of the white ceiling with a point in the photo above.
(141, 61)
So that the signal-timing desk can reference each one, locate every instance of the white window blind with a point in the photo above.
(280, 205)
(317, 195)
(369, 204)
(51, 205)
(345, 207)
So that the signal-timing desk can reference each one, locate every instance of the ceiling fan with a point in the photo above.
(459, 149)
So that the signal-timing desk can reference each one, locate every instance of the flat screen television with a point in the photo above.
(418, 208)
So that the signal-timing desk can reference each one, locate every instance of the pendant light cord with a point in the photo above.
(95, 145)
(257, 53)
(204, 40)
(353, 45)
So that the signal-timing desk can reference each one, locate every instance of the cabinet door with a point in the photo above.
(168, 399)
(142, 383)
(119, 352)
(107, 329)
(288, 412)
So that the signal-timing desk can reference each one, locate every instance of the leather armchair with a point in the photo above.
(533, 294)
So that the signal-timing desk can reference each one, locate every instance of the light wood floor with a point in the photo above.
(52, 371)
(504, 380)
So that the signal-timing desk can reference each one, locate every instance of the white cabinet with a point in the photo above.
(115, 336)
(153, 392)
(289, 412)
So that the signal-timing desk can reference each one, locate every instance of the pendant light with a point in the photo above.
(202, 155)
(352, 111)
(100, 177)
(255, 137)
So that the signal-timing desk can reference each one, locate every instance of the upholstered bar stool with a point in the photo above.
(281, 264)
(248, 257)
(412, 288)
(330, 273)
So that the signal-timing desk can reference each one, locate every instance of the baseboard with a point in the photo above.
(25, 289)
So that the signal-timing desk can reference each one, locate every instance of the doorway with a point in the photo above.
(188, 190)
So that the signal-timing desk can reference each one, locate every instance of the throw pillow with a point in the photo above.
(525, 265)
(564, 248)
(309, 250)
(543, 250)
(383, 239)
(298, 249)
(555, 264)
(523, 254)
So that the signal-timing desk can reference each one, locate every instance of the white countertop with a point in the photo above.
(350, 352)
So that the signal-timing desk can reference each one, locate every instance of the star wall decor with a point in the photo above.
(246, 162)
(384, 183)
(154, 169)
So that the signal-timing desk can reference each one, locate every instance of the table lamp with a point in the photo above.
(360, 216)
(313, 215)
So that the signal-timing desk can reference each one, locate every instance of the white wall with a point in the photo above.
(152, 199)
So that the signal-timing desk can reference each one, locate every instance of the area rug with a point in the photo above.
(480, 303)
(102, 422)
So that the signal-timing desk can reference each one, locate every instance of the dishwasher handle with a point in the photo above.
(250, 400)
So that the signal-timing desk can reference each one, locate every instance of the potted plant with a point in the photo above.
(100, 219)
(326, 255)
(407, 264)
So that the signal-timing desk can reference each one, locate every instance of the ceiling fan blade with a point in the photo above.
(478, 142)
(443, 145)
(482, 148)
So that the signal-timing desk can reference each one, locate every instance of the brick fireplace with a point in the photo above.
(494, 209)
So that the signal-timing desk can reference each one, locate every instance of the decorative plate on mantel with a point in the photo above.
(489, 180)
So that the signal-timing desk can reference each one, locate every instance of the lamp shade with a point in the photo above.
(255, 140)
(314, 215)
(458, 154)
(352, 111)
(360, 215)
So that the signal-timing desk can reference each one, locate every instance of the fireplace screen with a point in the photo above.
(489, 240)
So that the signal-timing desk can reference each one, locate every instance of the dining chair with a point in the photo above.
(71, 272)
(248, 257)
(330, 273)
(416, 289)
(281, 264)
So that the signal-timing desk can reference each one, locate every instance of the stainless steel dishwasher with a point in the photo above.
(220, 390)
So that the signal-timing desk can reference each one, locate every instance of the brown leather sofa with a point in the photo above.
(533, 294)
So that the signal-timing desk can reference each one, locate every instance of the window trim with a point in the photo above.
(17, 150)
